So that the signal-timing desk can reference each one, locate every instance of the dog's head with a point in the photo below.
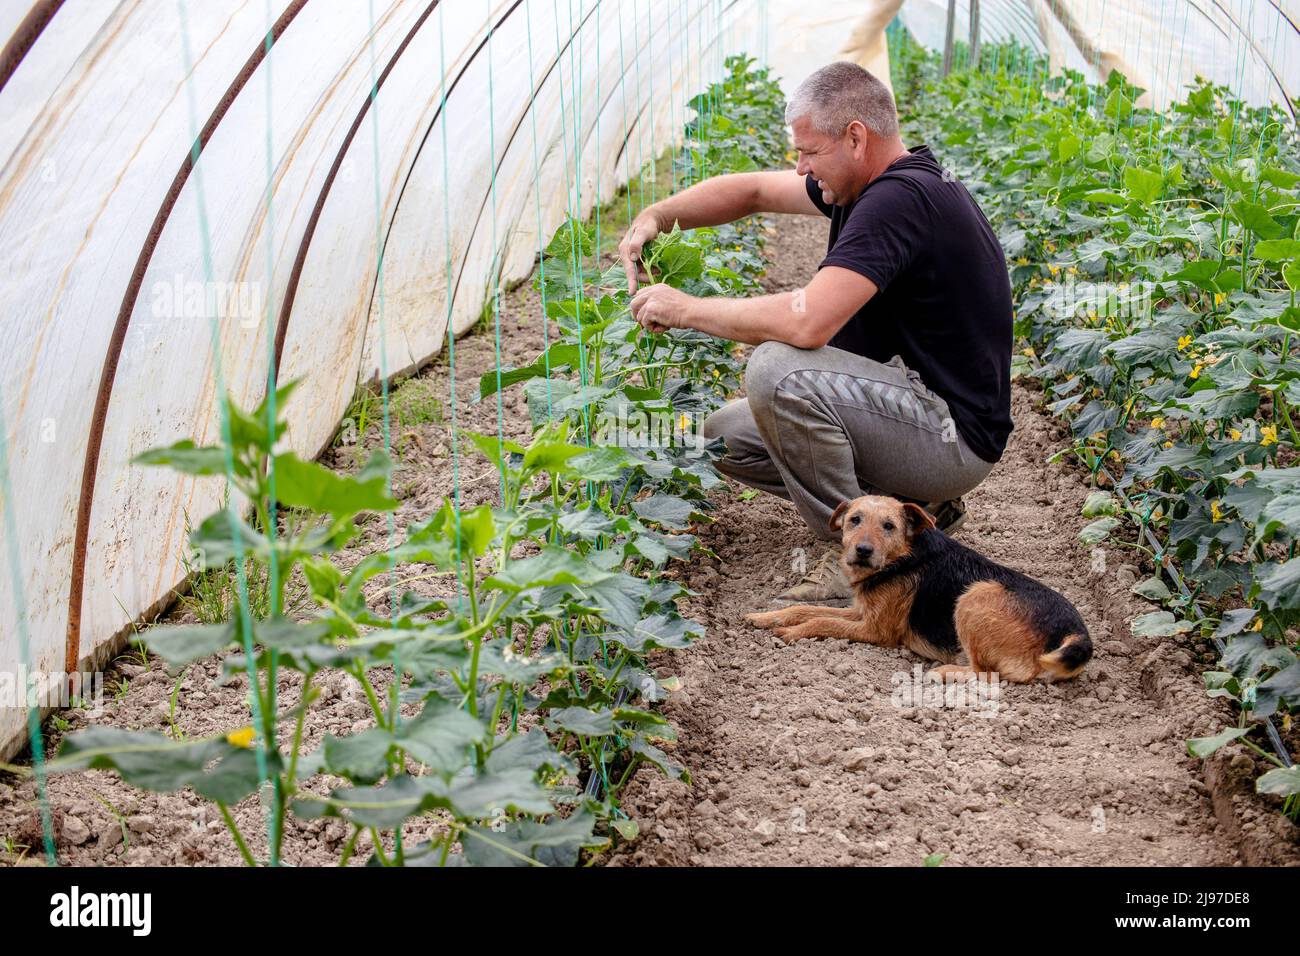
(876, 531)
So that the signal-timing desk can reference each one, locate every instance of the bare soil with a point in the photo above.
(801, 754)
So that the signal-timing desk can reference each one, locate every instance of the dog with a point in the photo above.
(915, 587)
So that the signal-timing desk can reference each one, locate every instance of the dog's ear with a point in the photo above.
(918, 519)
(836, 520)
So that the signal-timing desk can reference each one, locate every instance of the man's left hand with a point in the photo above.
(661, 307)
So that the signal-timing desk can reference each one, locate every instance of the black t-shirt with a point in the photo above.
(944, 303)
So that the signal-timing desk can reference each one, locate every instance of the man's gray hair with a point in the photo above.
(839, 93)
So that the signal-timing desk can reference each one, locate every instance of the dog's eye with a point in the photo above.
(855, 520)
(888, 526)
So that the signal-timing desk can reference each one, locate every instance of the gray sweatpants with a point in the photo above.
(821, 426)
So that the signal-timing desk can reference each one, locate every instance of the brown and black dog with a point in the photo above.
(915, 587)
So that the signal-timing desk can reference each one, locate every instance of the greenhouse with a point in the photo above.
(630, 433)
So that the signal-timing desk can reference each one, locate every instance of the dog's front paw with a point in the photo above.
(763, 619)
(787, 634)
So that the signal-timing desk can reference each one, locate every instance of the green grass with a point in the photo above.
(412, 402)
(215, 591)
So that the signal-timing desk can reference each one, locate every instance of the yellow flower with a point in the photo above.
(1049, 246)
(1196, 370)
(1157, 423)
(1215, 514)
(1169, 444)
(1270, 435)
(1259, 624)
(1029, 350)
(243, 737)
(1184, 341)
(1092, 316)
(1022, 261)
(684, 422)
(1234, 434)
(1072, 271)
(1053, 269)
(1218, 298)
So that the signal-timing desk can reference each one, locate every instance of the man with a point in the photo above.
(890, 372)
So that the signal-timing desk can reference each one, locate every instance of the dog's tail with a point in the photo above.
(1068, 659)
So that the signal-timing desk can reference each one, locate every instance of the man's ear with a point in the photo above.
(858, 135)
(918, 519)
(836, 519)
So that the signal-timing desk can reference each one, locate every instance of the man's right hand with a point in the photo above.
(642, 231)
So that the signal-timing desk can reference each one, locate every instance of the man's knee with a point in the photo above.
(769, 363)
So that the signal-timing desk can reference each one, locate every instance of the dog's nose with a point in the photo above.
(864, 551)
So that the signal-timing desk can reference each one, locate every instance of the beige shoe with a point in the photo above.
(949, 516)
(825, 583)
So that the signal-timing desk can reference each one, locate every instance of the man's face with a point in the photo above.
(833, 160)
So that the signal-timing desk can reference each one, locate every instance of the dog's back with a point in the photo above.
(946, 570)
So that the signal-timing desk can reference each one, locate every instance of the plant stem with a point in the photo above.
(234, 832)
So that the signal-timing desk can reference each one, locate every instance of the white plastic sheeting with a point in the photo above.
(297, 185)
(1250, 46)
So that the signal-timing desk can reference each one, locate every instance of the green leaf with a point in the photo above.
(667, 510)
(152, 761)
(581, 720)
(1279, 584)
(552, 566)
(441, 736)
(1249, 655)
(1204, 746)
(1199, 272)
(187, 643)
(1158, 624)
(533, 751)
(1152, 589)
(1098, 530)
(361, 757)
(1235, 621)
(1143, 185)
(556, 842)
(306, 484)
(1277, 250)
(659, 630)
(1283, 686)
(1280, 781)
(1100, 503)
(1067, 147)
(184, 456)
(384, 806)
(627, 829)
(1256, 218)
(495, 793)
(652, 754)
(1104, 197)
(562, 355)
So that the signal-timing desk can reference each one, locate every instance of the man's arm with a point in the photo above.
(715, 201)
(806, 318)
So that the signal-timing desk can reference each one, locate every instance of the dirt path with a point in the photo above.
(798, 753)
